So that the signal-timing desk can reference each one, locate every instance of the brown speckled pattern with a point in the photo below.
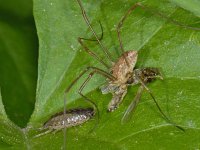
(120, 70)
(125, 76)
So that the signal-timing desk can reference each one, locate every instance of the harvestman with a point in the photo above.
(121, 73)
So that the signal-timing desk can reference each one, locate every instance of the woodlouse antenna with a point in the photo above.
(107, 53)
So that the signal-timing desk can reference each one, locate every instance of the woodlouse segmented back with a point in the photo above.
(73, 117)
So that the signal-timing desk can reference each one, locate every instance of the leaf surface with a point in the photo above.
(18, 71)
(192, 5)
(160, 44)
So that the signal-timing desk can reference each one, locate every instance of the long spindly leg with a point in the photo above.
(159, 108)
(119, 27)
(152, 12)
(97, 70)
(101, 37)
(179, 24)
(108, 55)
(86, 98)
(92, 53)
(100, 71)
(89, 51)
(131, 108)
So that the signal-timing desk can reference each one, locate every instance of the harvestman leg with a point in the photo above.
(129, 112)
(107, 53)
(86, 98)
(151, 11)
(134, 103)
(119, 27)
(95, 38)
(159, 108)
(94, 70)
(80, 39)
(92, 53)
(120, 24)
(179, 24)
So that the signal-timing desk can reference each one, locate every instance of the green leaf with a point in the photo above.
(192, 5)
(18, 71)
(160, 44)
(3, 115)
(18, 62)
(10, 134)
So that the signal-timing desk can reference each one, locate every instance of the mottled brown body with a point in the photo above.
(120, 70)
(125, 76)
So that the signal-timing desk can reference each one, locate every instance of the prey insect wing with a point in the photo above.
(131, 108)
(141, 76)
